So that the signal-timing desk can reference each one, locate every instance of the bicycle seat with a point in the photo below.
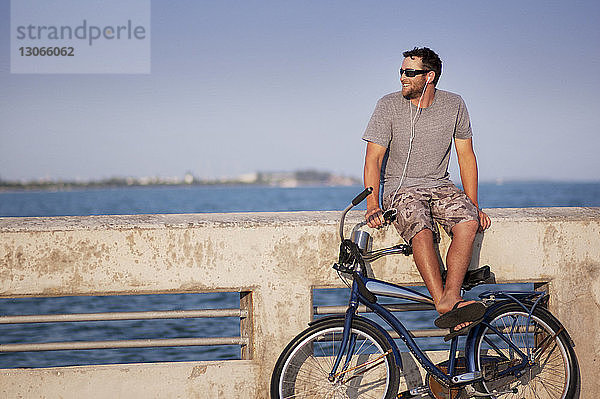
(475, 277)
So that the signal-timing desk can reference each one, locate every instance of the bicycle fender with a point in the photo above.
(382, 330)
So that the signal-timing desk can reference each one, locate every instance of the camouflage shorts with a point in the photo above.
(424, 208)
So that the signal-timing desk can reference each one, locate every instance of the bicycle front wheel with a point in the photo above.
(552, 373)
(303, 368)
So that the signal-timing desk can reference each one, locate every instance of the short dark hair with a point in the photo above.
(430, 60)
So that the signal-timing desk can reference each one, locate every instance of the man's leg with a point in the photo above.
(459, 217)
(457, 263)
(427, 263)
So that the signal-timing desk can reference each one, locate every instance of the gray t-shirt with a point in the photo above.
(435, 127)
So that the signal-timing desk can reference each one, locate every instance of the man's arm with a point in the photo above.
(372, 172)
(467, 163)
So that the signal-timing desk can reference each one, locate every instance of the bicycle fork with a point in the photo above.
(347, 345)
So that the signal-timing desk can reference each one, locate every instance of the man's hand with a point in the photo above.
(484, 220)
(374, 217)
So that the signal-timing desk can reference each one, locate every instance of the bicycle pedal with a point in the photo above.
(414, 393)
(472, 392)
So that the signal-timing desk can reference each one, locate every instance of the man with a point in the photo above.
(409, 138)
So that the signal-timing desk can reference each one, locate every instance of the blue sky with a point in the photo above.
(243, 86)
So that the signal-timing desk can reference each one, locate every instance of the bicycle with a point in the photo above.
(519, 350)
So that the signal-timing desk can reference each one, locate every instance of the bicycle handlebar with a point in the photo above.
(360, 197)
(389, 216)
(357, 200)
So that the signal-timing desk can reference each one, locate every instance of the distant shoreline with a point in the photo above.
(301, 178)
(73, 187)
(331, 181)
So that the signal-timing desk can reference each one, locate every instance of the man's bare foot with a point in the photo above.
(447, 304)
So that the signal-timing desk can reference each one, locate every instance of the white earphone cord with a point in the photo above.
(412, 136)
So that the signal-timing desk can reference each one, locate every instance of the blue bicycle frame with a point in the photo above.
(386, 289)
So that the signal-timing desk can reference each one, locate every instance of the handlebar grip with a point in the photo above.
(360, 197)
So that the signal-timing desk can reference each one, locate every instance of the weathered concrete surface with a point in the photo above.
(194, 380)
(278, 256)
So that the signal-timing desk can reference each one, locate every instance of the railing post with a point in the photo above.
(247, 325)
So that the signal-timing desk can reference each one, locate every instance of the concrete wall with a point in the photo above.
(279, 257)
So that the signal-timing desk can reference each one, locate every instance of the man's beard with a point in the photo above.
(413, 92)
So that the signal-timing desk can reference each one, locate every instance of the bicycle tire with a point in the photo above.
(303, 367)
(555, 373)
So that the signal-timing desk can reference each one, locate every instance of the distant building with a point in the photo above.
(188, 178)
(248, 178)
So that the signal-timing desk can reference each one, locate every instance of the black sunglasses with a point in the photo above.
(411, 73)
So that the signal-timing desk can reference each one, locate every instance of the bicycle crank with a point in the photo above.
(439, 391)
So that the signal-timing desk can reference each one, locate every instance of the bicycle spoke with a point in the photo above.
(306, 374)
(365, 364)
(549, 374)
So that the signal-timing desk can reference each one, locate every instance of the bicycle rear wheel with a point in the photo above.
(303, 368)
(554, 373)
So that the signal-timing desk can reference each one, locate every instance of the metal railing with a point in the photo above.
(114, 316)
(243, 313)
